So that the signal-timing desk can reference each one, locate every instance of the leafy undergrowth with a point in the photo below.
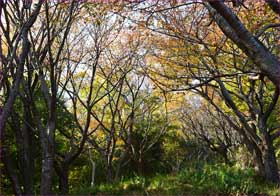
(210, 179)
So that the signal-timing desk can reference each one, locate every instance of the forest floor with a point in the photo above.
(209, 180)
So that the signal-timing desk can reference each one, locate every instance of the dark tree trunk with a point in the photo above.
(47, 142)
(47, 166)
(7, 108)
(256, 156)
(258, 160)
(64, 180)
(268, 153)
(24, 144)
(47, 172)
(269, 158)
(47, 145)
(47, 148)
(124, 156)
(234, 29)
(109, 173)
(270, 164)
(28, 165)
(62, 171)
(10, 170)
(119, 169)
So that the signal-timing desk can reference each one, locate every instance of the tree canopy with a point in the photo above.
(131, 94)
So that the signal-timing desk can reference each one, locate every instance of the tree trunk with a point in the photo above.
(7, 108)
(269, 158)
(62, 170)
(47, 142)
(64, 180)
(93, 167)
(28, 165)
(258, 160)
(234, 29)
(23, 136)
(47, 148)
(109, 175)
(120, 164)
(270, 164)
(47, 169)
(11, 171)
(140, 163)
(118, 171)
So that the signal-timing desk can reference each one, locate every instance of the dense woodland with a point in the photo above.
(139, 97)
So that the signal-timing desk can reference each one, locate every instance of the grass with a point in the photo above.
(208, 179)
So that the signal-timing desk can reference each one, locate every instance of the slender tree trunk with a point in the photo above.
(62, 170)
(23, 135)
(28, 165)
(123, 157)
(258, 160)
(11, 171)
(118, 169)
(64, 180)
(109, 175)
(270, 164)
(140, 163)
(125, 154)
(47, 142)
(93, 167)
(256, 155)
(7, 108)
(47, 167)
(269, 158)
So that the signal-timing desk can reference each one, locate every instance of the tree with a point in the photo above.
(210, 127)
(12, 63)
(235, 30)
(134, 87)
(208, 68)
